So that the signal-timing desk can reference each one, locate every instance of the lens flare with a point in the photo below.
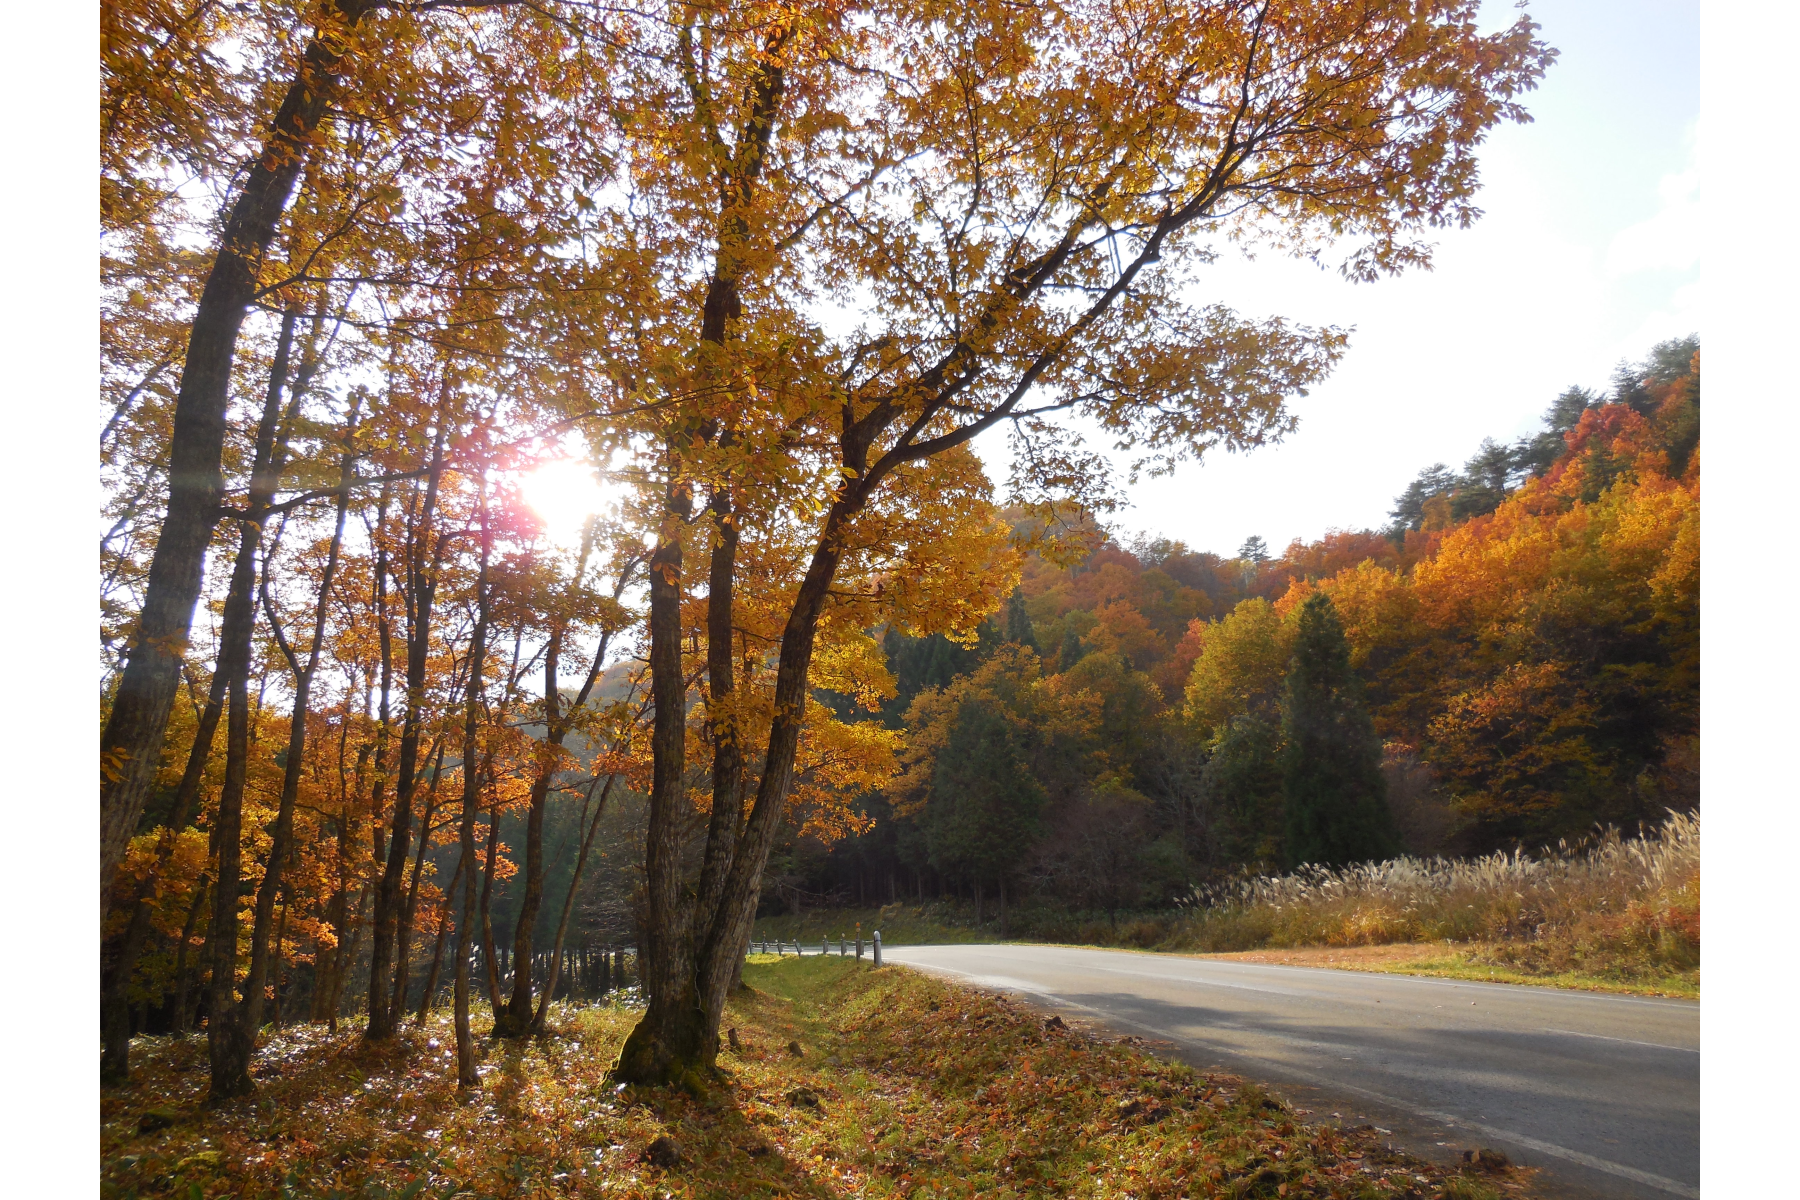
(564, 493)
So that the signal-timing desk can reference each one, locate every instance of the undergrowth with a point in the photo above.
(1614, 911)
(846, 1082)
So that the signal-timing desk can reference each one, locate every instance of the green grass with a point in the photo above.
(1483, 963)
(1477, 964)
(900, 924)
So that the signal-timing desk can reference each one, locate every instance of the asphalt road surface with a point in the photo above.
(1601, 1093)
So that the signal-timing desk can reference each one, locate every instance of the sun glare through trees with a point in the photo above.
(514, 593)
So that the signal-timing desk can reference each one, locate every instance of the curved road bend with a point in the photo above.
(1600, 1092)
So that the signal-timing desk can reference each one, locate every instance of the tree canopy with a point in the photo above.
(772, 268)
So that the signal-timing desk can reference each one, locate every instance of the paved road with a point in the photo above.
(1602, 1093)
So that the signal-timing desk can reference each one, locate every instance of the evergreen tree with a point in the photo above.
(1070, 654)
(1672, 359)
(1409, 506)
(1331, 783)
(1254, 550)
(1242, 786)
(1018, 621)
(1486, 478)
(984, 804)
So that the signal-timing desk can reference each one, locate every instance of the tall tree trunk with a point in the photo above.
(326, 962)
(512, 1018)
(672, 1040)
(562, 921)
(275, 970)
(727, 748)
(678, 1035)
(409, 910)
(228, 1044)
(423, 558)
(490, 951)
(229, 1041)
(131, 745)
(182, 971)
(282, 833)
(346, 959)
(669, 1042)
(466, 1074)
(437, 951)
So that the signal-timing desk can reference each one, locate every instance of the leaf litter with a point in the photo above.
(906, 1087)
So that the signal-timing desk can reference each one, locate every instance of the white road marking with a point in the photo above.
(1620, 1170)
(1628, 1041)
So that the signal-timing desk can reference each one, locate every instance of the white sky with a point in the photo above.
(1588, 253)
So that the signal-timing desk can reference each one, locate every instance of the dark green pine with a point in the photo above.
(1333, 792)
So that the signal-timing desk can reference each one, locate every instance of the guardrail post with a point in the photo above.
(878, 947)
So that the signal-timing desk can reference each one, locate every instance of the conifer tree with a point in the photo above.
(1332, 787)
(1018, 621)
(984, 801)
(1070, 654)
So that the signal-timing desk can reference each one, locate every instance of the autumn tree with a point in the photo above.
(1238, 671)
(132, 742)
(1008, 279)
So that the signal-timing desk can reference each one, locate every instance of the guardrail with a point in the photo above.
(782, 946)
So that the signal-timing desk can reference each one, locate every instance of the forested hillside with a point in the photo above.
(1519, 658)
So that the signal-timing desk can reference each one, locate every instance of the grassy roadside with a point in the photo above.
(904, 1086)
(1481, 962)
(1485, 961)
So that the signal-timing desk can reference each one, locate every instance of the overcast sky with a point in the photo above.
(1588, 253)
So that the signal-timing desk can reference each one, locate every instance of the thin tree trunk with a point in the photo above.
(131, 746)
(562, 923)
(182, 974)
(512, 1018)
(437, 952)
(490, 951)
(423, 558)
(347, 959)
(403, 938)
(326, 963)
(727, 748)
(466, 1074)
(275, 971)
(282, 834)
(228, 1048)
(229, 1040)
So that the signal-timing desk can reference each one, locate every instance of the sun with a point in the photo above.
(564, 493)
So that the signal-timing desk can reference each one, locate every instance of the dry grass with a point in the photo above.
(1625, 910)
(905, 1087)
(1615, 914)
